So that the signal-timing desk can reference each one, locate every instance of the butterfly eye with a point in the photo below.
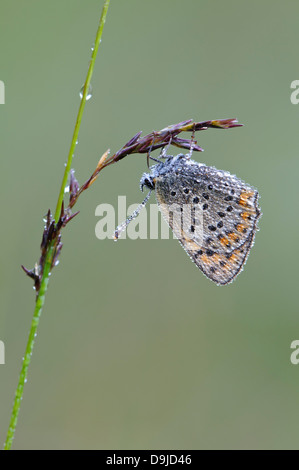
(147, 181)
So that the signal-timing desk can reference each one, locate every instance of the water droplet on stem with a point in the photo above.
(89, 93)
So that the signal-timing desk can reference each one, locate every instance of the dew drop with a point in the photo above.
(66, 189)
(89, 93)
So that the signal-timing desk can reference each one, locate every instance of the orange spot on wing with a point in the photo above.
(223, 262)
(224, 241)
(241, 227)
(205, 259)
(233, 258)
(233, 236)
(243, 201)
(245, 215)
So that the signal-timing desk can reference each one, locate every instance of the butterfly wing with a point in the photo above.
(212, 213)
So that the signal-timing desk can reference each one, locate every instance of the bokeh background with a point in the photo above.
(136, 348)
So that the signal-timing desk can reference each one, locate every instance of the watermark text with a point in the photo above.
(2, 92)
(295, 94)
(185, 221)
(295, 354)
(2, 352)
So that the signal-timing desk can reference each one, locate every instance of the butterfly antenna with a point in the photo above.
(192, 143)
(163, 153)
(120, 228)
(150, 149)
(155, 159)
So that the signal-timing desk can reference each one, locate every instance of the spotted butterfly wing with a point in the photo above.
(218, 229)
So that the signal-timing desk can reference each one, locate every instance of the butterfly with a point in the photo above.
(213, 214)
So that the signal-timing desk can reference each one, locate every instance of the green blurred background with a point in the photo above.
(136, 348)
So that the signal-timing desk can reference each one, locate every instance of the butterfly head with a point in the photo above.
(161, 168)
